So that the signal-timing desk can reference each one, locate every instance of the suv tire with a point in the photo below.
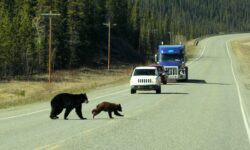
(158, 91)
(132, 91)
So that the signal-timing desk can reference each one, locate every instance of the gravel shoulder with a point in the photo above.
(241, 51)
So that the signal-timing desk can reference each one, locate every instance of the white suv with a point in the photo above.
(145, 78)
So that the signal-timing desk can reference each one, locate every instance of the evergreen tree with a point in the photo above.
(80, 38)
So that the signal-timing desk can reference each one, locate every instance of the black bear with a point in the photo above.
(69, 102)
(107, 107)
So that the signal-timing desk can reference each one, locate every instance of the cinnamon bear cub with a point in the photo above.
(69, 102)
(107, 107)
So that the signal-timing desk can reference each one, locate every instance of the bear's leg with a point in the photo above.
(67, 111)
(52, 115)
(55, 112)
(95, 112)
(79, 112)
(117, 113)
(110, 114)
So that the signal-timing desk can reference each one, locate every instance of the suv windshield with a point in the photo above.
(145, 72)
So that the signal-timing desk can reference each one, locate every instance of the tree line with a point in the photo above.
(80, 36)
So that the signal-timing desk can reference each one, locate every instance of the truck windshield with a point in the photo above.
(145, 72)
(171, 57)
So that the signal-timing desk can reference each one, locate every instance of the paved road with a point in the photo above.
(206, 113)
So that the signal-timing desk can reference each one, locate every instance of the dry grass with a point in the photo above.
(242, 52)
(16, 92)
(191, 46)
(192, 49)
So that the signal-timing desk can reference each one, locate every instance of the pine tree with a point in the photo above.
(5, 41)
(76, 25)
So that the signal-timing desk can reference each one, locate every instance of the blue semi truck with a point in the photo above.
(173, 59)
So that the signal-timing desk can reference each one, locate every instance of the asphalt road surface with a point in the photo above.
(206, 113)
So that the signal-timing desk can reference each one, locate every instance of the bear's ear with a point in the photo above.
(83, 95)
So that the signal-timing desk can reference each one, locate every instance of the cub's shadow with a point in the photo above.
(97, 119)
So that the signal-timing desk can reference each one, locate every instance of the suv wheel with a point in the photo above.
(186, 71)
(158, 91)
(132, 91)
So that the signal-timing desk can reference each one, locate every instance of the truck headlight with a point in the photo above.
(182, 72)
(183, 64)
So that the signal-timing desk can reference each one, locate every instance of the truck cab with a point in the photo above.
(173, 59)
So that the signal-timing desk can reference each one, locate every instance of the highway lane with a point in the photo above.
(204, 113)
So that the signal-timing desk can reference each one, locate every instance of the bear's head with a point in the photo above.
(84, 98)
(119, 108)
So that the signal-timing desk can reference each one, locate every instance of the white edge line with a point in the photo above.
(110, 94)
(243, 112)
(42, 110)
(22, 115)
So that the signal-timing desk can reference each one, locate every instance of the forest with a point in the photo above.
(80, 37)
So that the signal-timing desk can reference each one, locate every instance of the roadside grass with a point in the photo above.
(192, 46)
(192, 49)
(241, 49)
(37, 88)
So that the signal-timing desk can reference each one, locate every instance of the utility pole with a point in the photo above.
(170, 37)
(50, 15)
(109, 36)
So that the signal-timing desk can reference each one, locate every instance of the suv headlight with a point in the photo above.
(132, 81)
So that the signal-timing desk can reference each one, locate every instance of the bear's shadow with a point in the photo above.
(97, 119)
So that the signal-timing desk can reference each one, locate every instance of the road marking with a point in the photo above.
(121, 91)
(48, 147)
(55, 145)
(42, 110)
(243, 111)
(22, 115)
(196, 59)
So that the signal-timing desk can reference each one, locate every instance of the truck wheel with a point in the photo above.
(158, 91)
(186, 71)
(132, 91)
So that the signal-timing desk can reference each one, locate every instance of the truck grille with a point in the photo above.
(172, 71)
(144, 81)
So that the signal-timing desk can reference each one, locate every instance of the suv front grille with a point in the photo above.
(144, 81)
